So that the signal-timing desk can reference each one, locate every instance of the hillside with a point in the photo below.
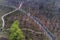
(43, 22)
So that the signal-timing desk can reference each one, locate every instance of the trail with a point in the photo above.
(3, 22)
(31, 30)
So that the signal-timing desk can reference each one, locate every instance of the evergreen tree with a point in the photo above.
(15, 32)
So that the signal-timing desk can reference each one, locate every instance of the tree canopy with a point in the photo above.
(15, 32)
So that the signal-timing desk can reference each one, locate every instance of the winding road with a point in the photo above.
(3, 22)
(49, 34)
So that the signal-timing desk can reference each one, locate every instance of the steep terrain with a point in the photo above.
(47, 11)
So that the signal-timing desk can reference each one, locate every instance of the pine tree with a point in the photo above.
(15, 32)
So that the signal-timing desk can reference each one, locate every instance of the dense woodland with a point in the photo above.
(46, 12)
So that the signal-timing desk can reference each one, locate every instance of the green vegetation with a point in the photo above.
(30, 38)
(15, 32)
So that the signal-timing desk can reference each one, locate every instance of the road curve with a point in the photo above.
(3, 22)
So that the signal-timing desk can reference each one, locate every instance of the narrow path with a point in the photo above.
(31, 30)
(8, 6)
(3, 22)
